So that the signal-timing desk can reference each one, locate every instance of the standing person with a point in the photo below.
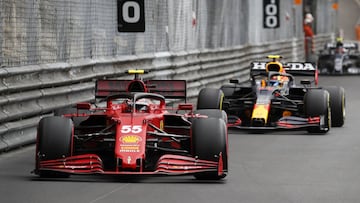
(309, 35)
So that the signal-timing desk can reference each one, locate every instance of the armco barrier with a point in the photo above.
(31, 92)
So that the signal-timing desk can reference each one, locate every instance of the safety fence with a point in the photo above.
(50, 31)
(32, 92)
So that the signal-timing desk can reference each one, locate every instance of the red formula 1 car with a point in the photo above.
(274, 100)
(134, 133)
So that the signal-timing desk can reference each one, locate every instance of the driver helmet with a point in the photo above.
(274, 65)
(340, 45)
(142, 105)
(339, 41)
(275, 83)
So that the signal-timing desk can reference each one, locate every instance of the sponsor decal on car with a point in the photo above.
(296, 66)
(130, 143)
(129, 148)
(130, 139)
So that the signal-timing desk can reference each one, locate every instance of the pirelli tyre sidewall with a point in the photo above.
(54, 141)
(210, 98)
(337, 105)
(212, 113)
(317, 103)
(209, 139)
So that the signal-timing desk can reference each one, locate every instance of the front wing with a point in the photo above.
(166, 165)
(284, 123)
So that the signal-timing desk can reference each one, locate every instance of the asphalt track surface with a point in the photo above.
(271, 167)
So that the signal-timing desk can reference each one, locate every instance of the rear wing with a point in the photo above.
(293, 68)
(170, 89)
(346, 45)
(105, 88)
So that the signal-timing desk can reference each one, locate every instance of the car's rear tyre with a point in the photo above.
(210, 98)
(72, 110)
(228, 90)
(209, 139)
(54, 142)
(337, 105)
(317, 103)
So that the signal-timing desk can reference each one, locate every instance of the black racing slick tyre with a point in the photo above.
(209, 139)
(210, 98)
(228, 90)
(72, 110)
(317, 103)
(54, 141)
(212, 113)
(337, 105)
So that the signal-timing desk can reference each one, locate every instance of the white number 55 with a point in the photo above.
(132, 129)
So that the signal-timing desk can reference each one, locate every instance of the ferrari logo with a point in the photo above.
(130, 139)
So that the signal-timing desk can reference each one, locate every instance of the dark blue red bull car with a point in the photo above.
(274, 100)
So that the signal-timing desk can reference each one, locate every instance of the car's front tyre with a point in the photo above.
(337, 105)
(209, 139)
(54, 141)
(317, 103)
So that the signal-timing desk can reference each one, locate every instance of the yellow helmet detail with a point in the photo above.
(274, 57)
(135, 71)
(274, 65)
(339, 39)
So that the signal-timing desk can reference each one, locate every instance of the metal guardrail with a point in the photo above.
(31, 92)
(321, 39)
(314, 45)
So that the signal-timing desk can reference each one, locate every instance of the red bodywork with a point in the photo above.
(122, 138)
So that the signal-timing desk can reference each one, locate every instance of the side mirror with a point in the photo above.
(305, 82)
(235, 81)
(186, 107)
(83, 105)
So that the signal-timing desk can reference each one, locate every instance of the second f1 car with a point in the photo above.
(339, 58)
(274, 100)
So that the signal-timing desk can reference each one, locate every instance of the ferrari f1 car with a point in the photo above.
(134, 133)
(339, 58)
(274, 100)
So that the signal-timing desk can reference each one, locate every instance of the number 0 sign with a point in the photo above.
(271, 13)
(131, 15)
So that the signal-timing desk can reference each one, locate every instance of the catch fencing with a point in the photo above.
(50, 31)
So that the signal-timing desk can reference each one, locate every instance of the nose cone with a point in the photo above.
(258, 122)
(260, 115)
(130, 141)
